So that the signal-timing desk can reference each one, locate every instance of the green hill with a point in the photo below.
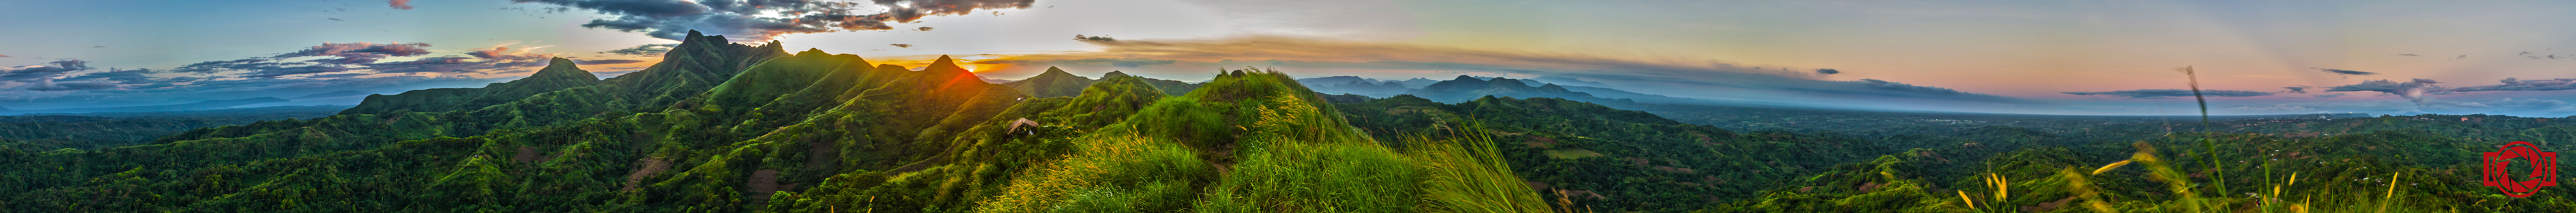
(722, 127)
(728, 127)
(559, 74)
(1053, 83)
(1172, 87)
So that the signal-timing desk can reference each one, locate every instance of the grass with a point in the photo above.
(2212, 156)
(2278, 199)
(1111, 172)
(1254, 141)
(1470, 175)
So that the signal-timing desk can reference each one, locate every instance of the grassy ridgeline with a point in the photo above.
(1249, 141)
(1293, 155)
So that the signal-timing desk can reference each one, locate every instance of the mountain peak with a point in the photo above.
(1055, 82)
(1553, 88)
(774, 46)
(1113, 73)
(1467, 78)
(1054, 70)
(810, 52)
(694, 36)
(559, 62)
(1053, 73)
(563, 68)
(1507, 82)
(944, 64)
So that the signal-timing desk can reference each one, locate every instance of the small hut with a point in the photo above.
(1024, 126)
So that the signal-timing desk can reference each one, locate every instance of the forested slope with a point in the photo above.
(720, 127)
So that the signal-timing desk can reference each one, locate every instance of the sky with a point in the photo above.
(2050, 57)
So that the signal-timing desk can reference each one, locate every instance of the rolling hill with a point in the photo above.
(731, 127)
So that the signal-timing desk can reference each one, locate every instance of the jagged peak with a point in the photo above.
(696, 37)
(774, 46)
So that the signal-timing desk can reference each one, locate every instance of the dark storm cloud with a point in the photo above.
(609, 61)
(2345, 72)
(758, 20)
(57, 68)
(644, 50)
(2173, 93)
(399, 4)
(2512, 84)
(1828, 71)
(901, 45)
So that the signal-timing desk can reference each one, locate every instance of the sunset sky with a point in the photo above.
(2043, 57)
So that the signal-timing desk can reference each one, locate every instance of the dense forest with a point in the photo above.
(89, 131)
(724, 127)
